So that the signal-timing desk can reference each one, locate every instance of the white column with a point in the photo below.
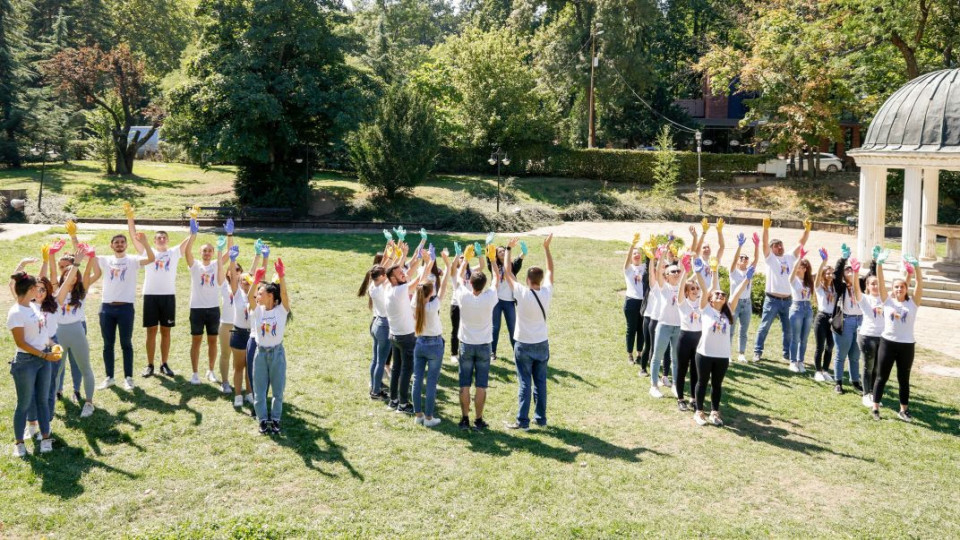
(879, 213)
(912, 183)
(928, 215)
(866, 229)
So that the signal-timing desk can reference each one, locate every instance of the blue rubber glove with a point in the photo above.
(194, 226)
(478, 249)
(882, 257)
(523, 247)
(911, 259)
(433, 253)
(265, 251)
(741, 239)
(234, 253)
(490, 238)
(823, 254)
(423, 234)
(750, 271)
(456, 249)
(229, 227)
(387, 235)
(221, 243)
(400, 232)
(698, 265)
(876, 251)
(845, 251)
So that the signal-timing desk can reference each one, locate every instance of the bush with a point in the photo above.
(664, 170)
(757, 293)
(629, 166)
(397, 151)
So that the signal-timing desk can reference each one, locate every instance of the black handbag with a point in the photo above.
(836, 321)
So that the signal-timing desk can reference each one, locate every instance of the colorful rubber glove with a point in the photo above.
(685, 261)
(911, 259)
(128, 210)
(265, 251)
(194, 226)
(221, 243)
(720, 225)
(279, 267)
(433, 253)
(229, 226)
(523, 248)
(456, 248)
(387, 235)
(698, 265)
(56, 352)
(844, 251)
(803, 252)
(823, 254)
(876, 251)
(478, 249)
(492, 254)
(195, 211)
(756, 239)
(490, 236)
(469, 252)
(855, 265)
(423, 234)
(257, 246)
(259, 275)
(45, 252)
(705, 224)
(714, 263)
(56, 246)
(908, 268)
(234, 253)
(84, 248)
(400, 232)
(882, 256)
(673, 249)
(750, 271)
(807, 225)
(767, 222)
(741, 239)
(648, 251)
(636, 238)
(71, 227)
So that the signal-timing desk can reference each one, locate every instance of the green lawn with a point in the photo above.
(941, 247)
(173, 460)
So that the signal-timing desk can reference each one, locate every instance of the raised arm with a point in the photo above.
(694, 245)
(807, 225)
(132, 228)
(45, 260)
(766, 237)
(918, 288)
(881, 283)
(546, 251)
(736, 256)
(447, 271)
(508, 268)
(818, 280)
(20, 267)
(93, 271)
(68, 280)
(633, 246)
(857, 292)
(719, 227)
(284, 296)
(146, 247)
(704, 295)
(188, 248)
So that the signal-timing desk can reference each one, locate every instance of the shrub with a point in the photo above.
(757, 293)
(396, 151)
(665, 165)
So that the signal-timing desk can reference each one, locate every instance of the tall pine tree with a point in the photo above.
(13, 79)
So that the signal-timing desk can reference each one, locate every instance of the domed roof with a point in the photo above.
(922, 116)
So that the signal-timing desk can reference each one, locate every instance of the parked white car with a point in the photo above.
(830, 163)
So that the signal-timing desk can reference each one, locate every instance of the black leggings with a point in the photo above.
(712, 369)
(824, 333)
(686, 358)
(635, 319)
(647, 341)
(869, 346)
(891, 353)
(454, 329)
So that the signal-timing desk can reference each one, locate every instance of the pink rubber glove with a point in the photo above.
(278, 266)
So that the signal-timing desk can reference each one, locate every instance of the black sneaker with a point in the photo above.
(165, 370)
(375, 397)
(838, 388)
(275, 427)
(406, 408)
(516, 425)
(393, 404)
(876, 414)
(76, 397)
(858, 387)
(464, 423)
(59, 395)
(480, 425)
(682, 405)
(265, 427)
(148, 372)
(905, 416)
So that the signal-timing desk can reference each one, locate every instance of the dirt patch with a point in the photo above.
(941, 371)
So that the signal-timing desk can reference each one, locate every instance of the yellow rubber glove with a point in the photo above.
(128, 210)
(705, 224)
(398, 252)
(636, 238)
(720, 225)
(673, 249)
(767, 222)
(45, 251)
(492, 254)
(648, 250)
(714, 263)
(195, 211)
(807, 225)
(71, 227)
(468, 252)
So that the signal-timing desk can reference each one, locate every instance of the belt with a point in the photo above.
(778, 297)
(120, 303)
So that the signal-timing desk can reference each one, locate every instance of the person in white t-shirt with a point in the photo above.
(206, 283)
(801, 311)
(159, 295)
(475, 333)
(846, 273)
(690, 332)
(777, 300)
(402, 330)
(826, 304)
(532, 349)
(898, 341)
(738, 272)
(667, 277)
(270, 307)
(428, 351)
(29, 366)
(871, 329)
(240, 282)
(713, 351)
(634, 271)
(507, 303)
(702, 249)
(119, 272)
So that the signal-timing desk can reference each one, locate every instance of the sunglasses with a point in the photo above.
(673, 272)
(719, 295)
(744, 258)
(694, 288)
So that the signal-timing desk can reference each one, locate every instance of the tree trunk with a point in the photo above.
(813, 169)
(909, 55)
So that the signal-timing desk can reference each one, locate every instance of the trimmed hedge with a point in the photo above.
(629, 166)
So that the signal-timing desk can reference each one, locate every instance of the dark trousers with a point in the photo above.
(647, 342)
(635, 318)
(710, 369)
(824, 335)
(454, 329)
(890, 353)
(686, 358)
(869, 347)
(402, 368)
(112, 318)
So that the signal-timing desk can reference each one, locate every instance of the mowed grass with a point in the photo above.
(174, 460)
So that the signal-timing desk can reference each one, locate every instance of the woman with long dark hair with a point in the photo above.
(871, 303)
(428, 351)
(270, 307)
(633, 274)
(72, 327)
(690, 332)
(851, 317)
(506, 305)
(738, 273)
(801, 311)
(826, 304)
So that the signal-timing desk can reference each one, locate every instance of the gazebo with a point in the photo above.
(917, 130)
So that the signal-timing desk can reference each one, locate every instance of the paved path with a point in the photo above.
(937, 327)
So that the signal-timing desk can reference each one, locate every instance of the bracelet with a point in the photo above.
(508, 248)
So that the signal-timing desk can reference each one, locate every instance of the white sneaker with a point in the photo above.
(418, 420)
(32, 430)
(819, 377)
(801, 367)
(700, 418)
(212, 377)
(238, 401)
(654, 392)
(226, 388)
(741, 358)
(665, 381)
(433, 422)
(867, 400)
(19, 450)
(46, 445)
(673, 390)
(794, 368)
(249, 398)
(454, 359)
(756, 357)
(87, 411)
(107, 383)
(128, 383)
(195, 379)
(715, 419)
(827, 376)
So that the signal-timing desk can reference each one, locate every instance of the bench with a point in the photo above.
(271, 214)
(210, 211)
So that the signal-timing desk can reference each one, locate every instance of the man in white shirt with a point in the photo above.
(402, 334)
(206, 280)
(532, 350)
(117, 309)
(159, 295)
(475, 334)
(776, 302)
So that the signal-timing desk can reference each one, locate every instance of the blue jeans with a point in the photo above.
(113, 318)
(427, 356)
(774, 308)
(801, 319)
(269, 371)
(666, 335)
(380, 330)
(742, 316)
(531, 360)
(31, 377)
(509, 310)
(474, 359)
(846, 346)
(50, 371)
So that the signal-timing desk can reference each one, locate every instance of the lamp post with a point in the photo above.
(43, 169)
(497, 158)
(699, 136)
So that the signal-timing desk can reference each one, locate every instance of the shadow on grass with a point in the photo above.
(303, 434)
(60, 471)
(930, 414)
(102, 428)
(500, 372)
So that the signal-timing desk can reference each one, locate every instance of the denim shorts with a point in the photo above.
(239, 338)
(474, 361)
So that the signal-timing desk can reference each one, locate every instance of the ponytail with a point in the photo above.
(22, 283)
(424, 292)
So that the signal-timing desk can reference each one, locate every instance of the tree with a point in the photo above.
(266, 94)
(666, 165)
(396, 152)
(13, 78)
(92, 77)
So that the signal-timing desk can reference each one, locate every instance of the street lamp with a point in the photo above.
(497, 158)
(43, 167)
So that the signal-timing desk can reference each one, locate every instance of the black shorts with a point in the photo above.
(238, 338)
(204, 319)
(159, 310)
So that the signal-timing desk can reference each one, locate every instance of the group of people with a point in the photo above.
(404, 293)
(675, 301)
(240, 312)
